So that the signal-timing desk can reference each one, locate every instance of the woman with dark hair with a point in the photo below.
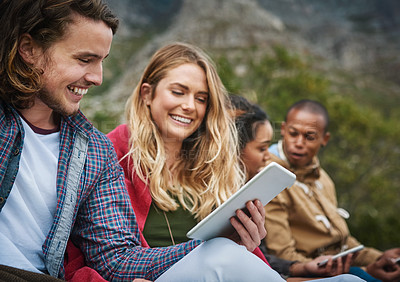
(255, 134)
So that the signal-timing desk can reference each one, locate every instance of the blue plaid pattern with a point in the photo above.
(104, 225)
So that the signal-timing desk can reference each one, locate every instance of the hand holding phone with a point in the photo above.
(342, 254)
(396, 260)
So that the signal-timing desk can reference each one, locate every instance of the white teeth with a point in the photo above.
(182, 119)
(78, 91)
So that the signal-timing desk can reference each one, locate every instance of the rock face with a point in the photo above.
(340, 29)
(358, 35)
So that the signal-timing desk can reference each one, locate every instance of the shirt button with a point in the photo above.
(16, 152)
(1, 200)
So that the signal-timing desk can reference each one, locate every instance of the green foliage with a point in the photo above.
(363, 158)
(118, 60)
(226, 73)
(105, 121)
(363, 154)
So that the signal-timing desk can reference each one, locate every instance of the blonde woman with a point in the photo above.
(180, 158)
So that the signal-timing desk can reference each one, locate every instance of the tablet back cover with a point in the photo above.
(265, 186)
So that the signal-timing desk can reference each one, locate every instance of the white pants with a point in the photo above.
(221, 259)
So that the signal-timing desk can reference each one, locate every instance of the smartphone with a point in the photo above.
(342, 254)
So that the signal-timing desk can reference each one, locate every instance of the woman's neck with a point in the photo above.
(172, 151)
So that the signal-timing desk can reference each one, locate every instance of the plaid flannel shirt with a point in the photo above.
(104, 224)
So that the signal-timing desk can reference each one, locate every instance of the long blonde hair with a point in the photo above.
(208, 170)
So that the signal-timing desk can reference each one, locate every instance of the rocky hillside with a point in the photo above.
(360, 37)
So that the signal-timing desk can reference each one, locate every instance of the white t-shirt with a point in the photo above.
(28, 214)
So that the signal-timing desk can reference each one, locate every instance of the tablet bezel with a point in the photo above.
(265, 186)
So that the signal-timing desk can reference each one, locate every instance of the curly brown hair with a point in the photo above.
(46, 22)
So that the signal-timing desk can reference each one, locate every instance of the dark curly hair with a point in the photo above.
(247, 118)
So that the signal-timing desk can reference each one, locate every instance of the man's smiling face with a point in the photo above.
(73, 64)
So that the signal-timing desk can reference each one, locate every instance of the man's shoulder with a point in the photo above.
(97, 139)
(6, 109)
(98, 136)
(80, 123)
(9, 119)
(324, 177)
(278, 160)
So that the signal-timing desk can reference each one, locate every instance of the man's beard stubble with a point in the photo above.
(55, 104)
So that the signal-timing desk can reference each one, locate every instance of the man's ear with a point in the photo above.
(327, 136)
(28, 49)
(283, 128)
(145, 93)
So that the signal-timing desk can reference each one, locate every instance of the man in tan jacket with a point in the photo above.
(304, 221)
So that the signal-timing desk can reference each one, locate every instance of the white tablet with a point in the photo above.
(268, 183)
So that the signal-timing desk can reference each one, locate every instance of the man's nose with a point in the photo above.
(94, 75)
(299, 140)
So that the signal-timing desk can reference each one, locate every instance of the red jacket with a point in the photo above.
(138, 191)
(75, 269)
